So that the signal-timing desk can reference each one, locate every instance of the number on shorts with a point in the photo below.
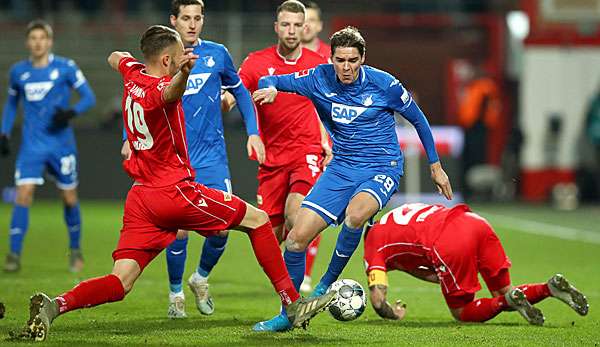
(313, 164)
(135, 119)
(388, 183)
(68, 164)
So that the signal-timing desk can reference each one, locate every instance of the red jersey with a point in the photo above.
(323, 49)
(289, 126)
(404, 238)
(155, 129)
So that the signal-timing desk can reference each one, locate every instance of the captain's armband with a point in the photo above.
(377, 277)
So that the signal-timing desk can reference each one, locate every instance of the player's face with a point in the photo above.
(189, 23)
(39, 43)
(347, 62)
(289, 28)
(313, 25)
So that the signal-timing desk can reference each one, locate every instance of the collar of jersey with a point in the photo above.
(288, 62)
(50, 60)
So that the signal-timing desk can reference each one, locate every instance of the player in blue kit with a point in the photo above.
(213, 74)
(44, 83)
(356, 103)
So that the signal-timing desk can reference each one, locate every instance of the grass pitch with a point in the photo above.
(243, 294)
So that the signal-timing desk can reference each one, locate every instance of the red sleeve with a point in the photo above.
(127, 65)
(373, 258)
(248, 75)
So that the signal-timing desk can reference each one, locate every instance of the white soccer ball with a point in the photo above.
(350, 301)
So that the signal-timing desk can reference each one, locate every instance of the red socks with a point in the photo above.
(483, 309)
(92, 292)
(267, 252)
(535, 292)
(311, 254)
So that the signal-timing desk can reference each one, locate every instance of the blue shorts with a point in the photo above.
(339, 184)
(216, 177)
(61, 165)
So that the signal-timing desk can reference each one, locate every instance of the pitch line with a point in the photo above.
(544, 229)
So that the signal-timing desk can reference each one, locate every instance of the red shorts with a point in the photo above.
(275, 184)
(468, 246)
(152, 217)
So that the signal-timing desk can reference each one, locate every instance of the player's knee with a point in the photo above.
(70, 198)
(24, 196)
(355, 220)
(295, 244)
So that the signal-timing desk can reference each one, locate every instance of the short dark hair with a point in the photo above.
(39, 24)
(348, 37)
(313, 6)
(176, 4)
(155, 39)
(293, 6)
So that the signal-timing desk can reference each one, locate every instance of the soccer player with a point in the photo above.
(356, 104)
(44, 83)
(164, 197)
(450, 246)
(213, 73)
(297, 145)
(314, 26)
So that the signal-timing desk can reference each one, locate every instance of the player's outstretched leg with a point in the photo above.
(212, 250)
(561, 289)
(517, 300)
(42, 311)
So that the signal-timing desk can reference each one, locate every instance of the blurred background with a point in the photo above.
(511, 87)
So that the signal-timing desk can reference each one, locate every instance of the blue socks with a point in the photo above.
(73, 220)
(18, 228)
(347, 242)
(212, 251)
(176, 255)
(295, 263)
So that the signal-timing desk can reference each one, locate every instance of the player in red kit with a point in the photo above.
(451, 246)
(164, 197)
(296, 144)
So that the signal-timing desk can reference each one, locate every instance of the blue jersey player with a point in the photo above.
(44, 83)
(356, 104)
(212, 74)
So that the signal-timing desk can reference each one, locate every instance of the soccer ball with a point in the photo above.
(350, 301)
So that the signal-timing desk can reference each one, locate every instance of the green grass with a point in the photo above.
(243, 294)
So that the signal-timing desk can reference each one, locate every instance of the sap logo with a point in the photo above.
(195, 82)
(37, 91)
(345, 114)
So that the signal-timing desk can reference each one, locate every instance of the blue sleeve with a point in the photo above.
(301, 82)
(415, 116)
(124, 133)
(233, 83)
(77, 81)
(9, 113)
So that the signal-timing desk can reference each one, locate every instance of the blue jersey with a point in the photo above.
(213, 71)
(359, 116)
(44, 90)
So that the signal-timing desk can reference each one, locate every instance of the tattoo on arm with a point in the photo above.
(385, 310)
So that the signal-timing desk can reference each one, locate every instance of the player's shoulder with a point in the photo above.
(313, 57)
(214, 46)
(61, 61)
(380, 78)
(324, 71)
(20, 66)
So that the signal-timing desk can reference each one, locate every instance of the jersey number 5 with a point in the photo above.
(135, 118)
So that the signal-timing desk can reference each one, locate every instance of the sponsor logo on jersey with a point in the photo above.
(195, 83)
(209, 61)
(54, 74)
(271, 71)
(345, 114)
(368, 101)
(303, 73)
(37, 91)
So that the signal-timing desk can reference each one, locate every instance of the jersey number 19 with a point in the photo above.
(135, 118)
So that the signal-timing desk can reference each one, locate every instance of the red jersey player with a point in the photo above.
(164, 197)
(450, 246)
(294, 139)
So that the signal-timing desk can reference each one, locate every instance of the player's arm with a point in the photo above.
(299, 83)
(325, 144)
(9, 113)
(115, 58)
(378, 292)
(227, 101)
(425, 275)
(174, 91)
(400, 101)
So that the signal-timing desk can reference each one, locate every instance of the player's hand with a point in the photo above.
(327, 154)
(187, 61)
(264, 96)
(125, 150)
(441, 180)
(399, 309)
(255, 145)
(4, 145)
(62, 117)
